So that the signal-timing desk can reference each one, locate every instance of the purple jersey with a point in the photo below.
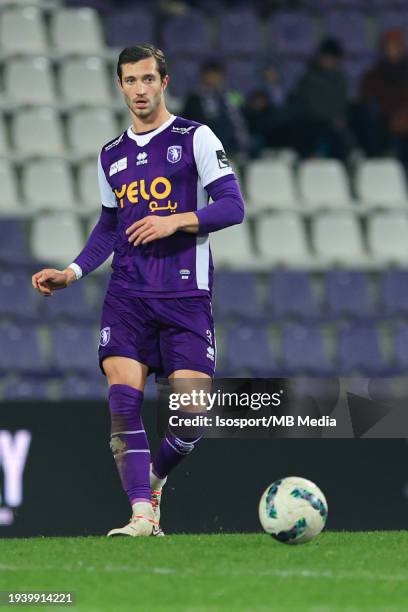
(161, 172)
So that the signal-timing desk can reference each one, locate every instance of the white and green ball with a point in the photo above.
(293, 510)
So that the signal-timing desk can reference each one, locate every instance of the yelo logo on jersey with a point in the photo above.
(160, 189)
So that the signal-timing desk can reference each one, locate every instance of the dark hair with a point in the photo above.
(130, 55)
(331, 46)
(212, 65)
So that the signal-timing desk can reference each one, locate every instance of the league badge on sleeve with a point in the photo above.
(222, 159)
(174, 154)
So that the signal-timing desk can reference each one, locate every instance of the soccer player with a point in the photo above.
(155, 181)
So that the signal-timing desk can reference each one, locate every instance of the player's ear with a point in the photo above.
(119, 82)
(165, 81)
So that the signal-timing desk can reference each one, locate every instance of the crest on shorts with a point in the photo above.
(174, 153)
(105, 336)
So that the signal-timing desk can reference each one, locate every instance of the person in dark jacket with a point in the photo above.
(319, 105)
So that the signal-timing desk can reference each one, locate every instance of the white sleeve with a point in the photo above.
(108, 198)
(209, 154)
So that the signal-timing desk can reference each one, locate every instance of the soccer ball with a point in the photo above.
(293, 510)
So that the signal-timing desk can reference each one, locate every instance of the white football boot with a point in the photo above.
(142, 522)
(156, 485)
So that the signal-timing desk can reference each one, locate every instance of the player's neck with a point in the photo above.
(150, 123)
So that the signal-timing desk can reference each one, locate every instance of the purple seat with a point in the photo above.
(17, 296)
(326, 5)
(236, 295)
(183, 76)
(84, 388)
(394, 292)
(20, 349)
(401, 347)
(102, 6)
(360, 351)
(349, 28)
(242, 76)
(303, 350)
(13, 242)
(292, 70)
(248, 350)
(73, 304)
(129, 27)
(240, 33)
(187, 34)
(23, 389)
(74, 349)
(355, 69)
(290, 295)
(393, 19)
(348, 294)
(292, 34)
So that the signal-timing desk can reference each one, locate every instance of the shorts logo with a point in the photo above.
(211, 353)
(184, 274)
(209, 335)
(222, 159)
(174, 154)
(105, 336)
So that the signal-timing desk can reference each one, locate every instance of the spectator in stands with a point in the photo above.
(319, 105)
(210, 104)
(263, 119)
(383, 117)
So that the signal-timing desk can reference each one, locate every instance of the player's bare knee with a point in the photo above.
(124, 371)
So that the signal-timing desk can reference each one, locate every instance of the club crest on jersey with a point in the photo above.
(105, 336)
(174, 154)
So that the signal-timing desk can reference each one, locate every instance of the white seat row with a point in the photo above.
(80, 80)
(24, 30)
(337, 238)
(324, 183)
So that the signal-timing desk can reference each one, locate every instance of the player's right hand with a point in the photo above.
(48, 280)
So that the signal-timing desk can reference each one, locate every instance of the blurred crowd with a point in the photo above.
(316, 118)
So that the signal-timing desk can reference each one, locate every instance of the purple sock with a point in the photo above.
(129, 443)
(173, 449)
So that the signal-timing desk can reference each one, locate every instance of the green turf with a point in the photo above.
(338, 571)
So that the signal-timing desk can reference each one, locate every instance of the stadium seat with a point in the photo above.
(26, 389)
(74, 349)
(89, 129)
(401, 347)
(355, 67)
(348, 294)
(184, 76)
(73, 305)
(225, 252)
(304, 351)
(337, 239)
(85, 81)
(20, 349)
(47, 183)
(10, 201)
(236, 295)
(291, 71)
(76, 387)
(239, 33)
(13, 242)
(17, 297)
(393, 288)
(88, 186)
(76, 31)
(125, 26)
(360, 351)
(393, 18)
(248, 350)
(270, 184)
(22, 31)
(38, 132)
(282, 240)
(350, 29)
(187, 35)
(324, 183)
(381, 182)
(29, 81)
(290, 294)
(56, 238)
(241, 76)
(388, 237)
(291, 33)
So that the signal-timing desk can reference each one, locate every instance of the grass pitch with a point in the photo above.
(337, 572)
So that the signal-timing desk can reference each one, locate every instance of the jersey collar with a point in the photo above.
(143, 139)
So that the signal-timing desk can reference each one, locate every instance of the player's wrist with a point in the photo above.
(70, 276)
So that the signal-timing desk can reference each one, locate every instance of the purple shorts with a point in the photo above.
(166, 334)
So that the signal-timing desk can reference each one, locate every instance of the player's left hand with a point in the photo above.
(151, 228)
